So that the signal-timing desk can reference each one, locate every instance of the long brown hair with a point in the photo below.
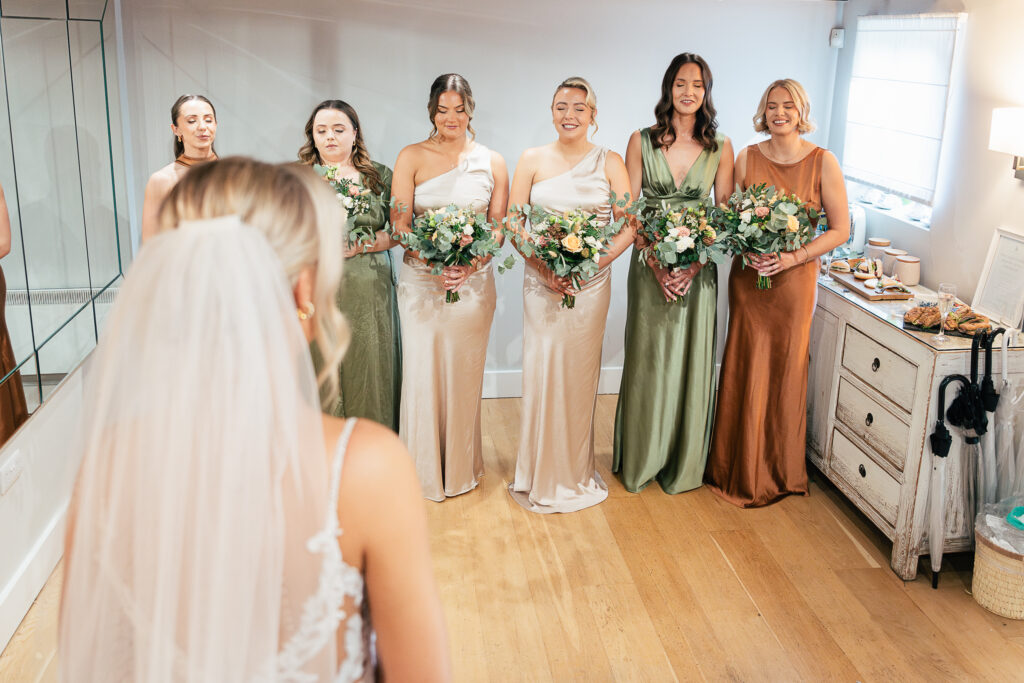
(179, 146)
(451, 83)
(308, 153)
(705, 127)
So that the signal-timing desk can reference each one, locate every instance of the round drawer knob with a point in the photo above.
(862, 470)
(869, 419)
(875, 364)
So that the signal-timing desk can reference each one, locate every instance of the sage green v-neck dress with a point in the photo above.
(370, 376)
(667, 395)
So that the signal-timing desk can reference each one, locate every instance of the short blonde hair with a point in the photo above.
(800, 99)
(300, 217)
(583, 84)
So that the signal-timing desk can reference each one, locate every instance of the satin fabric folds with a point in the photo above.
(667, 394)
(758, 453)
(370, 376)
(555, 466)
(444, 346)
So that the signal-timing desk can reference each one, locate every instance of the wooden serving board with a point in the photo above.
(868, 292)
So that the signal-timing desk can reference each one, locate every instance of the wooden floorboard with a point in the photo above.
(652, 587)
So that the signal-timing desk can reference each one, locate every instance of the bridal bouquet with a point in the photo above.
(569, 243)
(357, 201)
(450, 236)
(763, 221)
(677, 238)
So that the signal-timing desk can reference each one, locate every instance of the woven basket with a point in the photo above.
(998, 579)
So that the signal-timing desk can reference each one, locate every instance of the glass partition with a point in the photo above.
(62, 173)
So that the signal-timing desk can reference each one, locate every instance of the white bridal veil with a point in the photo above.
(203, 477)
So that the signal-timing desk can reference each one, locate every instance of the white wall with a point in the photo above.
(976, 191)
(32, 510)
(266, 64)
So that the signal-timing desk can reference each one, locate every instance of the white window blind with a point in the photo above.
(898, 95)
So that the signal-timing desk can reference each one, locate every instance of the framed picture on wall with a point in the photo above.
(1000, 292)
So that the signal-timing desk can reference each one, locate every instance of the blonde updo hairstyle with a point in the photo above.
(451, 83)
(583, 84)
(800, 99)
(301, 219)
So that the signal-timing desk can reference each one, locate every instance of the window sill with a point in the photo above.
(895, 215)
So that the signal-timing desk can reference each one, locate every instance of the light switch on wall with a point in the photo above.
(10, 471)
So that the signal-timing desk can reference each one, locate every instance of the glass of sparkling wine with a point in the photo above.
(947, 297)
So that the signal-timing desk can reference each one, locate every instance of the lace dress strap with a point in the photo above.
(339, 460)
(324, 611)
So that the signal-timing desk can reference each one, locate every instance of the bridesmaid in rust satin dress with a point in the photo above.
(13, 407)
(758, 447)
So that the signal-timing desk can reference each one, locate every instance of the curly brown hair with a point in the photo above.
(308, 153)
(705, 128)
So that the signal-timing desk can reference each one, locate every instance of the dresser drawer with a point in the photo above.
(872, 423)
(865, 476)
(889, 373)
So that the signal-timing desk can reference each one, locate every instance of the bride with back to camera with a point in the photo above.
(227, 530)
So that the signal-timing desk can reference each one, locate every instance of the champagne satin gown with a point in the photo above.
(759, 445)
(370, 376)
(555, 470)
(444, 345)
(667, 394)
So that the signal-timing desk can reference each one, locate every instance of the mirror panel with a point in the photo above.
(35, 9)
(62, 167)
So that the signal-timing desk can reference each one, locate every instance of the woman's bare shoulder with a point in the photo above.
(374, 454)
(164, 178)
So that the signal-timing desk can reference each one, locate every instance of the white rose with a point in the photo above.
(673, 232)
(597, 257)
(684, 243)
(745, 216)
(467, 230)
(592, 241)
(347, 201)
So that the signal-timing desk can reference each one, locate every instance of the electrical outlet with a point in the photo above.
(836, 37)
(10, 471)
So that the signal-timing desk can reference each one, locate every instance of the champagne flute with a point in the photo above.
(823, 275)
(947, 297)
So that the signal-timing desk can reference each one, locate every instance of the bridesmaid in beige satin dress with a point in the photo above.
(555, 469)
(444, 345)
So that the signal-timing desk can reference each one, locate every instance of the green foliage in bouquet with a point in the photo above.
(450, 236)
(762, 220)
(570, 243)
(678, 237)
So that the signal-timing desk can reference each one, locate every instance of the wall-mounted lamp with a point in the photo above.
(1007, 136)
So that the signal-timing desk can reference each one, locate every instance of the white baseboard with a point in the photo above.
(22, 588)
(509, 383)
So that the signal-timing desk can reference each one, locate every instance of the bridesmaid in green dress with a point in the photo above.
(667, 396)
(370, 376)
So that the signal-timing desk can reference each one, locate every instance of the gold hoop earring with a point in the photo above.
(307, 311)
(179, 138)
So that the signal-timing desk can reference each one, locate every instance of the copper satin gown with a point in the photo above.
(758, 448)
(444, 345)
(555, 469)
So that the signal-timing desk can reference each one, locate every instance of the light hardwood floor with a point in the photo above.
(652, 587)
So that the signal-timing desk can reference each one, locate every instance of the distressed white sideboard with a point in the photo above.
(872, 401)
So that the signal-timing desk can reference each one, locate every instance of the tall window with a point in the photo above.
(898, 95)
